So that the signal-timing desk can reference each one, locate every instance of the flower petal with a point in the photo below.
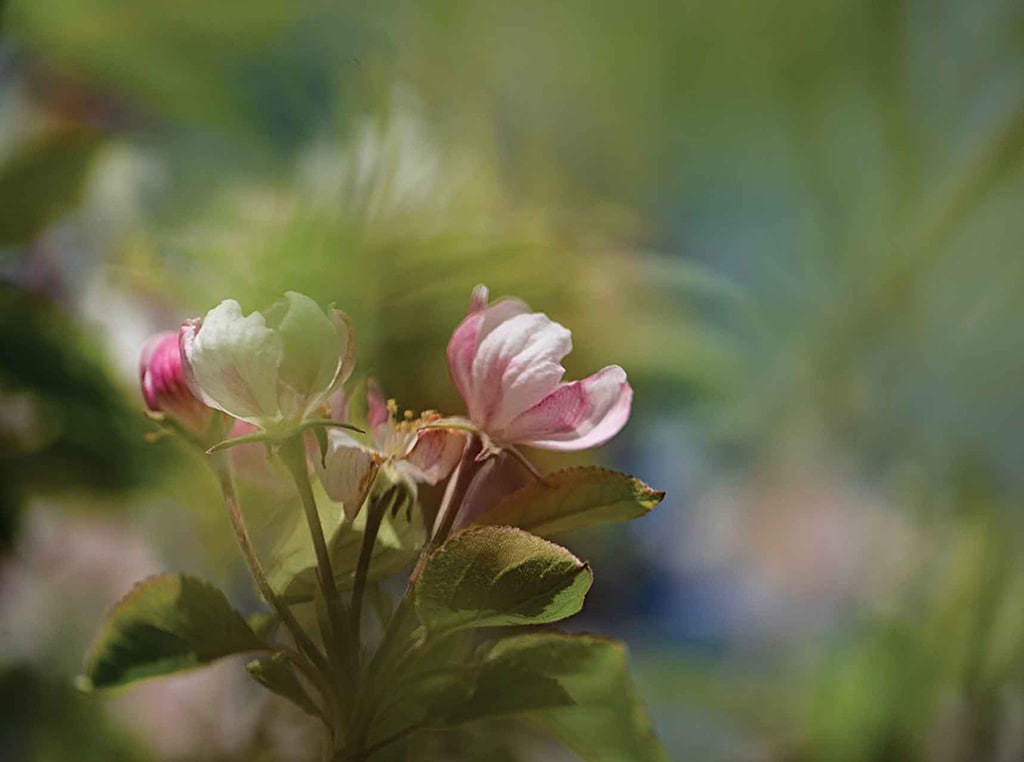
(578, 415)
(376, 405)
(477, 325)
(516, 366)
(232, 361)
(435, 453)
(165, 385)
(349, 469)
(148, 379)
(478, 299)
(345, 332)
(311, 352)
(499, 476)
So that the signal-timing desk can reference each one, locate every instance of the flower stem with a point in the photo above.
(378, 506)
(453, 499)
(221, 465)
(293, 454)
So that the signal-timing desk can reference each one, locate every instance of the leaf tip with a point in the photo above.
(654, 496)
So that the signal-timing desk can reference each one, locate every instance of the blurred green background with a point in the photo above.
(798, 226)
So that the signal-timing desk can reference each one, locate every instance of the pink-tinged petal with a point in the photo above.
(146, 378)
(376, 405)
(165, 387)
(255, 467)
(516, 366)
(346, 332)
(478, 299)
(477, 325)
(498, 477)
(339, 403)
(461, 348)
(435, 453)
(350, 469)
(578, 415)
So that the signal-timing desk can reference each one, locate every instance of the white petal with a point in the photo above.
(311, 358)
(435, 453)
(234, 361)
(516, 366)
(349, 469)
(477, 325)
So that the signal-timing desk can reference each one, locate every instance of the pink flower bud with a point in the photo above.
(164, 388)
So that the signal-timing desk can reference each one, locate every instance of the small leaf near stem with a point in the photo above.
(293, 454)
(221, 466)
(318, 426)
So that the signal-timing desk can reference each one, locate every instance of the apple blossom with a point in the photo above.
(403, 446)
(505, 362)
(273, 369)
(164, 385)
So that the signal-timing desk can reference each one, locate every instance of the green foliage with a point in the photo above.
(81, 436)
(576, 686)
(45, 719)
(277, 674)
(167, 623)
(602, 720)
(398, 543)
(496, 576)
(575, 498)
(43, 181)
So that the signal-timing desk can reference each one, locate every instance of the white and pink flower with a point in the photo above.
(505, 361)
(413, 452)
(273, 369)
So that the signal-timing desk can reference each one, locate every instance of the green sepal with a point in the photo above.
(277, 674)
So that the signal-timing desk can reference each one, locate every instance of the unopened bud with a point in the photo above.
(164, 388)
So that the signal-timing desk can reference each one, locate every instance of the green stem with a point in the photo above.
(293, 454)
(453, 499)
(376, 510)
(221, 465)
(378, 506)
(317, 679)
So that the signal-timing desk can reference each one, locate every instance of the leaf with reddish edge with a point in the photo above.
(166, 624)
(575, 498)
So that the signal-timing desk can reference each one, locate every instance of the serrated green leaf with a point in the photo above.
(167, 624)
(498, 576)
(276, 674)
(602, 719)
(575, 498)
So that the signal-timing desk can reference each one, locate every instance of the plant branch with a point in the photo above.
(453, 499)
(221, 465)
(293, 454)
(376, 511)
